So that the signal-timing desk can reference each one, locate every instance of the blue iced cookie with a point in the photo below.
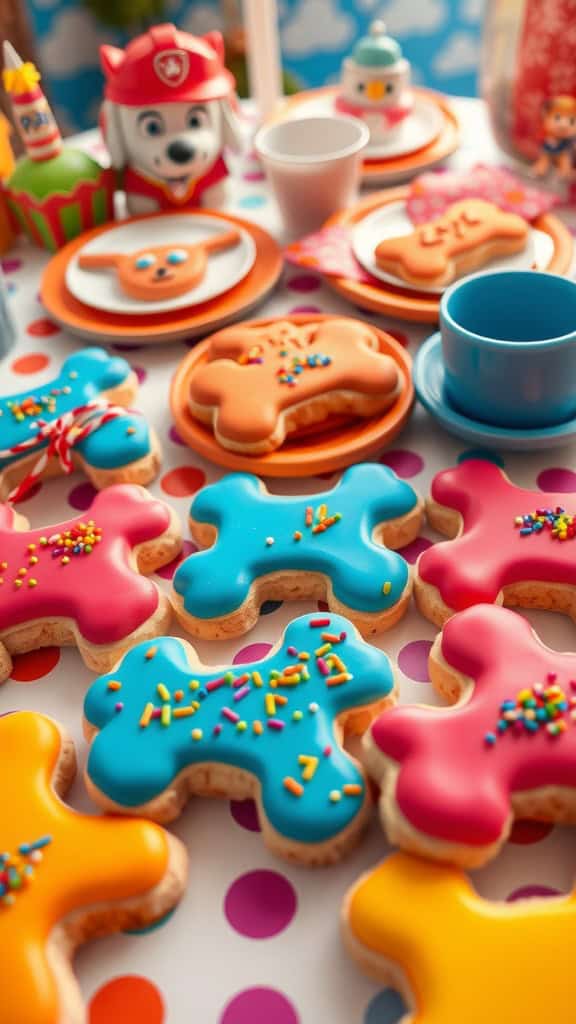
(276, 547)
(77, 420)
(167, 727)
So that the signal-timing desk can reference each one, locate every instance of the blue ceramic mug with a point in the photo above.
(509, 347)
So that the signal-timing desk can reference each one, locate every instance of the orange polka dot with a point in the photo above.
(26, 668)
(127, 998)
(524, 832)
(42, 328)
(30, 364)
(184, 480)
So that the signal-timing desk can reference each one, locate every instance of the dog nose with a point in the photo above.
(180, 151)
(160, 272)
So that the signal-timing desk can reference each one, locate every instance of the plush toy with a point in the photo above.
(55, 192)
(167, 116)
(376, 84)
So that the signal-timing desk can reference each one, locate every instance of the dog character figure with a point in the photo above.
(167, 116)
(160, 271)
(558, 137)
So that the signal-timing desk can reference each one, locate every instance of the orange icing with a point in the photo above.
(90, 860)
(242, 382)
(466, 960)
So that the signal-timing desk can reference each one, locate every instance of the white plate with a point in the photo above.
(100, 290)
(392, 220)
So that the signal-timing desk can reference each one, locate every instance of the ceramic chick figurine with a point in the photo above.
(376, 84)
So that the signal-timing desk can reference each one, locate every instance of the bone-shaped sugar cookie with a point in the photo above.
(78, 582)
(453, 779)
(458, 958)
(160, 271)
(168, 727)
(77, 420)
(66, 877)
(276, 547)
(263, 382)
(503, 549)
(469, 234)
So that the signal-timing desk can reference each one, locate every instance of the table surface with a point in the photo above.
(203, 966)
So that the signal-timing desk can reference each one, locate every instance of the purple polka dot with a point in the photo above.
(403, 462)
(259, 1006)
(561, 480)
(167, 571)
(414, 549)
(82, 496)
(253, 652)
(11, 265)
(305, 309)
(260, 904)
(175, 436)
(245, 814)
(140, 372)
(304, 283)
(255, 175)
(530, 892)
(413, 660)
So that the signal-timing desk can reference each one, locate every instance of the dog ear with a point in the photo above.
(99, 260)
(231, 127)
(112, 132)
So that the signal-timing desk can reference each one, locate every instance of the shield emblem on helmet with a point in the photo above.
(171, 66)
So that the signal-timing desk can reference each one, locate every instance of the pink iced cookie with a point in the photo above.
(79, 582)
(454, 779)
(502, 551)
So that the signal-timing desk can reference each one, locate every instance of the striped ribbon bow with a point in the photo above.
(62, 434)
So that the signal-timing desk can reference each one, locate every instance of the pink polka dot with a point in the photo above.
(413, 660)
(253, 176)
(305, 309)
(253, 652)
(82, 496)
(259, 1006)
(557, 479)
(303, 283)
(260, 904)
(175, 436)
(412, 551)
(10, 266)
(140, 372)
(403, 462)
(525, 833)
(245, 814)
(530, 892)
(167, 571)
(42, 328)
(183, 481)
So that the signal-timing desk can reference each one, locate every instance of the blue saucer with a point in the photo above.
(428, 375)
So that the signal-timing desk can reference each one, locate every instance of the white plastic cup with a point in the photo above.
(313, 166)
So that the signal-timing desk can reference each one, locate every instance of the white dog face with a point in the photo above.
(172, 141)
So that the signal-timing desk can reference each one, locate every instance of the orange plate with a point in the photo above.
(157, 327)
(420, 306)
(397, 167)
(327, 447)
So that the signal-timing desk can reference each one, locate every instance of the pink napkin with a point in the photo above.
(329, 251)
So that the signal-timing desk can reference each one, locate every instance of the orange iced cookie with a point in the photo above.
(66, 877)
(160, 271)
(457, 958)
(262, 383)
(469, 234)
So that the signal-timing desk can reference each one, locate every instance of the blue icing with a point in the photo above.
(84, 376)
(111, 446)
(217, 581)
(131, 764)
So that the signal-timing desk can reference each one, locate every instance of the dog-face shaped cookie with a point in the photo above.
(79, 582)
(469, 234)
(160, 271)
(66, 877)
(263, 382)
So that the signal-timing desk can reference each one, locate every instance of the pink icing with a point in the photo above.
(102, 591)
(491, 554)
(451, 784)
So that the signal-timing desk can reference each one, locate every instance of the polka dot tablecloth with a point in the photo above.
(256, 941)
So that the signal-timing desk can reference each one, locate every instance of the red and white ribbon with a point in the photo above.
(62, 434)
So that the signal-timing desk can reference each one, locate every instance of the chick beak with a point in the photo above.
(375, 90)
